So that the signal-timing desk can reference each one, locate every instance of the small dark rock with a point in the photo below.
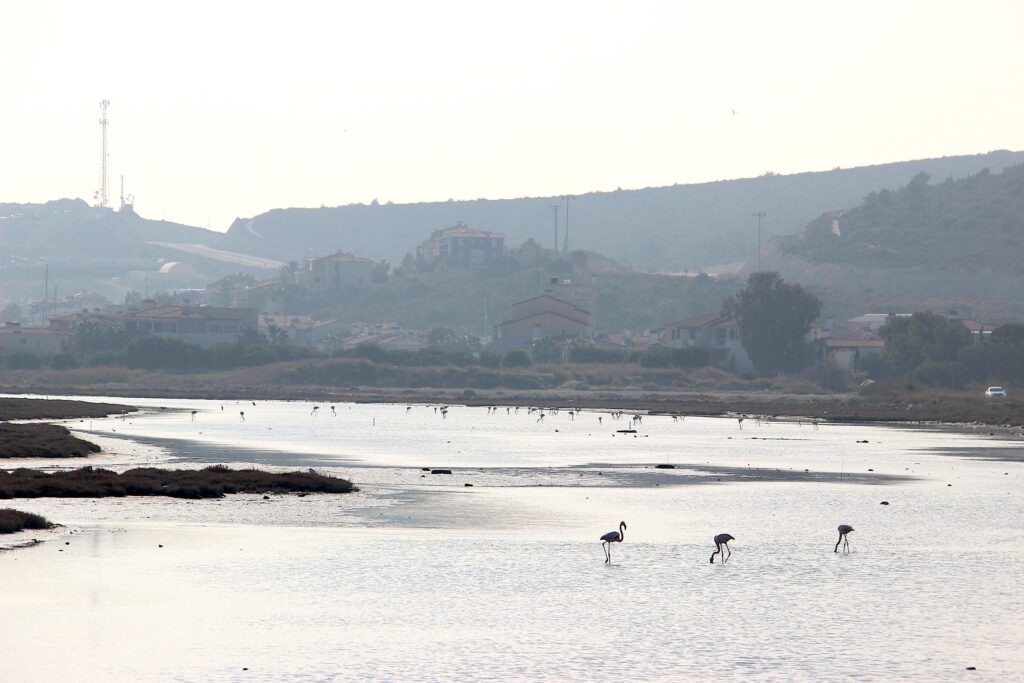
(664, 466)
(440, 471)
(160, 545)
(425, 469)
(266, 497)
(972, 668)
(884, 502)
(870, 470)
(467, 484)
(67, 542)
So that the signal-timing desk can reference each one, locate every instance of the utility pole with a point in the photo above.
(46, 288)
(555, 208)
(565, 247)
(760, 217)
(101, 194)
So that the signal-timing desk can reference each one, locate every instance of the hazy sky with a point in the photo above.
(225, 109)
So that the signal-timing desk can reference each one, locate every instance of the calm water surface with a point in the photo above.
(421, 578)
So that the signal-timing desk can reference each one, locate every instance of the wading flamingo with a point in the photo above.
(843, 530)
(722, 540)
(612, 537)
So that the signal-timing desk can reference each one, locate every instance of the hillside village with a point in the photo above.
(463, 287)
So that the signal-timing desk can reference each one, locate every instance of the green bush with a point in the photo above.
(515, 359)
(106, 359)
(657, 357)
(592, 354)
(489, 359)
(691, 357)
(63, 361)
(22, 360)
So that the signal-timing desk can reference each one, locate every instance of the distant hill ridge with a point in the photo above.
(671, 228)
(956, 243)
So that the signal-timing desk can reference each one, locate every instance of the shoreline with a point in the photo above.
(935, 410)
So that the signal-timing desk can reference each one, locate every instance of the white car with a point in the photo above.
(993, 392)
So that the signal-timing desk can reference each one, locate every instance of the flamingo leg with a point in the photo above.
(725, 558)
(604, 547)
(836, 549)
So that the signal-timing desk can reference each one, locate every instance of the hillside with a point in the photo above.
(664, 228)
(71, 231)
(625, 300)
(956, 244)
(86, 247)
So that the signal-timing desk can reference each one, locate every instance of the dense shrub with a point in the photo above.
(515, 359)
(211, 482)
(106, 359)
(489, 359)
(592, 354)
(22, 360)
(63, 361)
(16, 520)
(691, 357)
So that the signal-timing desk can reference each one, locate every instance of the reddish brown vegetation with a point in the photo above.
(211, 482)
(41, 441)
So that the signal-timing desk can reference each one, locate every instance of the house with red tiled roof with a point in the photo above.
(202, 325)
(43, 342)
(542, 317)
(335, 272)
(462, 247)
(719, 334)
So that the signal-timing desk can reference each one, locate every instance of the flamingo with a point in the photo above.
(843, 530)
(194, 415)
(316, 410)
(241, 414)
(333, 411)
(612, 537)
(722, 540)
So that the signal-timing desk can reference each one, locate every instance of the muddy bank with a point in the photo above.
(56, 409)
(36, 440)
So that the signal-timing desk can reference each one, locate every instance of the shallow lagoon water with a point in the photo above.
(421, 579)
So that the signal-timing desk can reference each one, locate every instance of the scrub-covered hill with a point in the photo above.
(662, 228)
(952, 244)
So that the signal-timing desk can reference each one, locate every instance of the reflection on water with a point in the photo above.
(445, 582)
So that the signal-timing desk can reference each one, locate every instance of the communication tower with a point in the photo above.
(101, 194)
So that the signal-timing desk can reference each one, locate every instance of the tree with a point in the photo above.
(152, 353)
(774, 319)
(22, 360)
(911, 341)
(93, 336)
(277, 336)
(516, 358)
(447, 339)
(12, 312)
(1011, 335)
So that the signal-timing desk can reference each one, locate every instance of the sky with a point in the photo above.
(221, 110)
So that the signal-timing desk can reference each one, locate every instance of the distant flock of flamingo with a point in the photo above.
(721, 540)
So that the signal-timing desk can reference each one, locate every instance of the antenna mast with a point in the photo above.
(102, 195)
